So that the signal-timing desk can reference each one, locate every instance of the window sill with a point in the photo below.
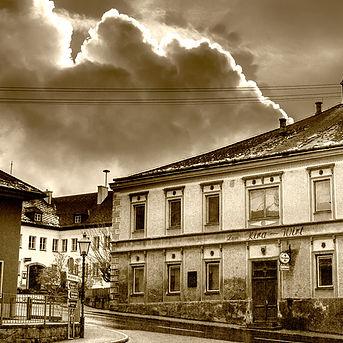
(32, 248)
(324, 288)
(211, 224)
(324, 211)
(174, 227)
(173, 293)
(209, 292)
(137, 294)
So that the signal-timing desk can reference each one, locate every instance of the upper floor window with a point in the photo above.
(55, 245)
(64, 245)
(77, 218)
(32, 242)
(96, 242)
(263, 199)
(138, 211)
(321, 192)
(107, 241)
(74, 244)
(42, 244)
(37, 217)
(212, 203)
(174, 204)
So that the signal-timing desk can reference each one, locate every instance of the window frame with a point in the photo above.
(74, 244)
(315, 182)
(55, 241)
(42, 243)
(37, 217)
(134, 269)
(208, 222)
(32, 242)
(207, 278)
(210, 190)
(137, 200)
(174, 195)
(64, 245)
(77, 218)
(171, 266)
(96, 243)
(319, 257)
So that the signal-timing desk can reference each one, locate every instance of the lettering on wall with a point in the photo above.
(293, 231)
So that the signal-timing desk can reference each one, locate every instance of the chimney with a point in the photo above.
(48, 198)
(282, 122)
(102, 194)
(319, 107)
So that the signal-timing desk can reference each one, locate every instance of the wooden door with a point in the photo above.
(264, 291)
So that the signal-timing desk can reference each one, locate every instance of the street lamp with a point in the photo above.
(84, 244)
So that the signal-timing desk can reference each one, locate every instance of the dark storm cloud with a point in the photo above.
(65, 146)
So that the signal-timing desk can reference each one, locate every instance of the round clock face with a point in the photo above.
(284, 257)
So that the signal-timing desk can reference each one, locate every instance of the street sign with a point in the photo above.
(74, 278)
(284, 266)
(73, 294)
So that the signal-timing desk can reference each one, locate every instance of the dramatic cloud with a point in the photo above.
(65, 146)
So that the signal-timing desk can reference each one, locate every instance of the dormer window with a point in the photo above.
(77, 218)
(37, 217)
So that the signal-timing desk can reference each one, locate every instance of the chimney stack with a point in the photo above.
(48, 198)
(319, 107)
(283, 122)
(102, 194)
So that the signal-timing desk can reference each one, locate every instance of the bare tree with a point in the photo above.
(100, 254)
(53, 278)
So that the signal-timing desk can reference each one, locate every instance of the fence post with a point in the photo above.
(29, 309)
(2, 308)
(45, 303)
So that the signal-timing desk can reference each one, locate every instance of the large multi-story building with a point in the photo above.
(50, 231)
(251, 233)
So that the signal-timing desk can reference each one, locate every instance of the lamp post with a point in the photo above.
(84, 244)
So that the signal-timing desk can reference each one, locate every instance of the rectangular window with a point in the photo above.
(55, 245)
(138, 280)
(107, 242)
(95, 270)
(324, 271)
(212, 209)
(212, 276)
(42, 244)
(264, 203)
(37, 217)
(74, 244)
(96, 242)
(64, 245)
(32, 242)
(139, 217)
(77, 218)
(174, 278)
(174, 213)
(1, 276)
(322, 195)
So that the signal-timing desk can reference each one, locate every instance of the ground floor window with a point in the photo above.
(212, 276)
(324, 271)
(138, 280)
(174, 278)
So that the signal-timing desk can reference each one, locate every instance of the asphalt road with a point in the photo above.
(172, 335)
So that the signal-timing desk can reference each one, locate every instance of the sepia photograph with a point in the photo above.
(171, 171)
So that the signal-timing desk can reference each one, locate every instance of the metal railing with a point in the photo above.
(33, 308)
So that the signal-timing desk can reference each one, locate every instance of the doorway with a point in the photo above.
(34, 270)
(264, 291)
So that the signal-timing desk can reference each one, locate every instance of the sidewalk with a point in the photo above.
(99, 334)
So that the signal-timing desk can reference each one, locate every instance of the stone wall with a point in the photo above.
(35, 333)
(232, 312)
(320, 315)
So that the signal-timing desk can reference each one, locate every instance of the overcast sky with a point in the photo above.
(55, 53)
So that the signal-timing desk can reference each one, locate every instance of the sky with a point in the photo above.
(132, 85)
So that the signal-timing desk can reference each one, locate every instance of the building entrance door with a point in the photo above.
(34, 271)
(264, 292)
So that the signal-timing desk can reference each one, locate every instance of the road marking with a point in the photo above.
(178, 329)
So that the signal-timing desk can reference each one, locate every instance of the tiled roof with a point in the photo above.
(320, 131)
(60, 214)
(10, 185)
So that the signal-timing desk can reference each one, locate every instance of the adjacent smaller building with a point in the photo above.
(12, 194)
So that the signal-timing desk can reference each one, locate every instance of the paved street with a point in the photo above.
(105, 323)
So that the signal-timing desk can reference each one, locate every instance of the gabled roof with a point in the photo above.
(86, 205)
(320, 131)
(13, 187)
